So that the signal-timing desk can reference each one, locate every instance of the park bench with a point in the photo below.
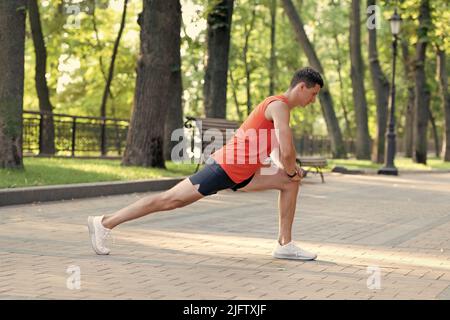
(209, 123)
(205, 124)
(318, 163)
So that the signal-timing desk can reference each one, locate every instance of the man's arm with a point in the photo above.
(279, 113)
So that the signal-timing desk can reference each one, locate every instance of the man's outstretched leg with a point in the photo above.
(179, 196)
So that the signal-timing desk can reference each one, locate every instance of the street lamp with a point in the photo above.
(389, 167)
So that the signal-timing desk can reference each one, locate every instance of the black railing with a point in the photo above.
(309, 145)
(76, 135)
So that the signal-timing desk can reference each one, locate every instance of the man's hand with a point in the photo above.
(300, 171)
(296, 178)
(299, 174)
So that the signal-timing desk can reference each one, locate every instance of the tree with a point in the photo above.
(342, 95)
(359, 91)
(409, 107)
(12, 44)
(381, 87)
(174, 116)
(272, 60)
(422, 92)
(78, 60)
(445, 98)
(234, 92)
(145, 140)
(99, 46)
(434, 130)
(47, 132)
(106, 92)
(337, 144)
(248, 29)
(218, 42)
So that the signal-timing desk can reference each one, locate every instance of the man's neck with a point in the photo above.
(291, 104)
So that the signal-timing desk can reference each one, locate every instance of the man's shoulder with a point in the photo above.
(275, 99)
(276, 107)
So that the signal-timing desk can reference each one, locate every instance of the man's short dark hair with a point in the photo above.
(307, 75)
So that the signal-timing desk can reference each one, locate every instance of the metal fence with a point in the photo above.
(77, 136)
(309, 145)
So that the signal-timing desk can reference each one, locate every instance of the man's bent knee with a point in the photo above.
(291, 185)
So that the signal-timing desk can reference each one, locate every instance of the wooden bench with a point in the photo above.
(205, 124)
(317, 163)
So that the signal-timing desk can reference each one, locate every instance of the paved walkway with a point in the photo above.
(377, 237)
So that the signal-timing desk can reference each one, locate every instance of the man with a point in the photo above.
(239, 165)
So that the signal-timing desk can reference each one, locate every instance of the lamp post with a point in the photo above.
(389, 167)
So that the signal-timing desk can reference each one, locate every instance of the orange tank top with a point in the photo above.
(251, 145)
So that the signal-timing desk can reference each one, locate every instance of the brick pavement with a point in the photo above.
(219, 248)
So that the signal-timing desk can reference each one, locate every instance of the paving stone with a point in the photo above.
(219, 247)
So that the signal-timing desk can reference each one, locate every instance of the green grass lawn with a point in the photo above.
(53, 171)
(400, 163)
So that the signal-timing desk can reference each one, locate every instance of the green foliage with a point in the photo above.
(193, 55)
(77, 61)
(78, 57)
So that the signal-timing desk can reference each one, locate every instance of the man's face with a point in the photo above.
(306, 95)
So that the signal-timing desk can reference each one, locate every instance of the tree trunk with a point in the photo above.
(12, 44)
(197, 98)
(381, 87)
(216, 71)
(445, 98)
(342, 96)
(344, 101)
(359, 91)
(174, 117)
(434, 130)
(145, 140)
(106, 92)
(99, 45)
(409, 113)
(422, 92)
(236, 101)
(337, 144)
(47, 132)
(247, 32)
(272, 61)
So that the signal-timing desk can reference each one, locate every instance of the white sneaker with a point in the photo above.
(291, 251)
(98, 234)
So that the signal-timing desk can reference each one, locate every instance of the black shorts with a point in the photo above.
(212, 178)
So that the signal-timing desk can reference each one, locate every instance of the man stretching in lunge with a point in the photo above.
(239, 165)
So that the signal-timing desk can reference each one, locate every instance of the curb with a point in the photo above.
(82, 190)
(375, 171)
(17, 196)
(345, 170)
